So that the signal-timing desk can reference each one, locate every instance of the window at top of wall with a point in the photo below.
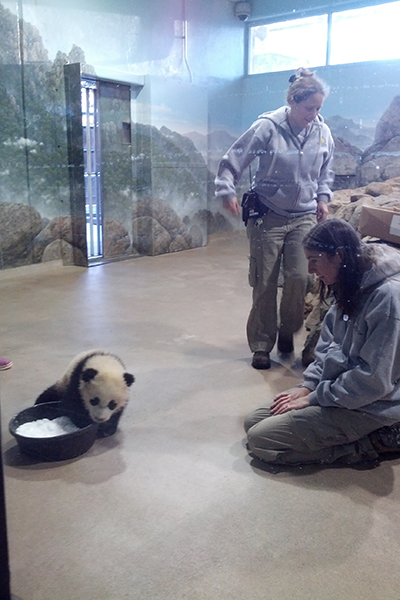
(363, 34)
(288, 45)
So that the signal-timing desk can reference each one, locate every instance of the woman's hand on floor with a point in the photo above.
(290, 400)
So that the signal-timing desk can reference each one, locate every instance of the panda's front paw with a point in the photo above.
(106, 429)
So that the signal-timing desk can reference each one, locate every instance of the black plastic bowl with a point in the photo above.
(60, 447)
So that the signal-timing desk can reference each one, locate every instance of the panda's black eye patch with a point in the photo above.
(112, 404)
(95, 401)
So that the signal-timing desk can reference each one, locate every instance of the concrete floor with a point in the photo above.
(171, 507)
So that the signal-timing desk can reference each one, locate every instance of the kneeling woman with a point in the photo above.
(348, 407)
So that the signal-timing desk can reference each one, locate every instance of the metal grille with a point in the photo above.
(91, 149)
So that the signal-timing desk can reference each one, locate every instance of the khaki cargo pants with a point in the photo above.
(275, 239)
(313, 434)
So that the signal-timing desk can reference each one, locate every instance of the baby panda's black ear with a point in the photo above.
(129, 379)
(89, 374)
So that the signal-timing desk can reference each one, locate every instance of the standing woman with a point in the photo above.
(294, 148)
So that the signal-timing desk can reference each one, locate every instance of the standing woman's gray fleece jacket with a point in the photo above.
(357, 364)
(292, 170)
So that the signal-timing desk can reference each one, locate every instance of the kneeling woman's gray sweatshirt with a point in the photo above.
(357, 363)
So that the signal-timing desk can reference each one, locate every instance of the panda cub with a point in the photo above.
(95, 383)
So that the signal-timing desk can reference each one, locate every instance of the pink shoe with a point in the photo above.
(5, 363)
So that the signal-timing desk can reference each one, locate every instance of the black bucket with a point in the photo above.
(59, 447)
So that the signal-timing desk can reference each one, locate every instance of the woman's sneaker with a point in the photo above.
(261, 360)
(5, 363)
(285, 344)
(386, 439)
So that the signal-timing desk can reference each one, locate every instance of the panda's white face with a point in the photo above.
(104, 395)
(104, 388)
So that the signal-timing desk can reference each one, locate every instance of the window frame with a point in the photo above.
(286, 18)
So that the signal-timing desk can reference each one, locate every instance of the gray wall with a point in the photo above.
(188, 55)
